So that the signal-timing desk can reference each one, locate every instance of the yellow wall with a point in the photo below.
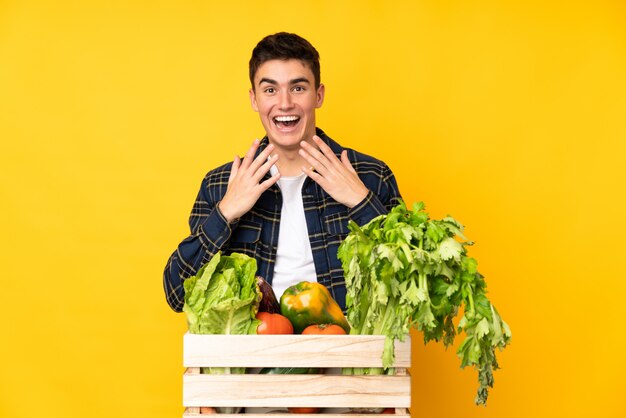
(507, 115)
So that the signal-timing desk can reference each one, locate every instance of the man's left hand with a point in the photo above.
(337, 178)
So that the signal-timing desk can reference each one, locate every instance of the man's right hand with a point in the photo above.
(244, 184)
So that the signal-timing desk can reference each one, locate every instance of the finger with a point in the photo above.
(326, 150)
(314, 157)
(346, 161)
(315, 176)
(261, 158)
(249, 157)
(260, 173)
(314, 163)
(264, 185)
(234, 169)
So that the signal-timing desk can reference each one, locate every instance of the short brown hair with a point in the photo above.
(284, 46)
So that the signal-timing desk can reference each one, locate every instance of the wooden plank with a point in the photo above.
(272, 391)
(290, 351)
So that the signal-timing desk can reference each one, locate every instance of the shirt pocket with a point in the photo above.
(247, 232)
(337, 224)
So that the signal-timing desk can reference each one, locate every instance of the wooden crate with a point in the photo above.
(281, 391)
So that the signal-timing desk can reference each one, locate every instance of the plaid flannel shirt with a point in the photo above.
(256, 232)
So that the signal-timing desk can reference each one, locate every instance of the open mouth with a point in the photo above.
(286, 121)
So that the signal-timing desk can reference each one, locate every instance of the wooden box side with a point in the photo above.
(329, 391)
(290, 351)
(193, 411)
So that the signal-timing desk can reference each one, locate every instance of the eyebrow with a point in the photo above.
(274, 82)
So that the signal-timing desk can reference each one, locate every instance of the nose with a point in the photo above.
(285, 101)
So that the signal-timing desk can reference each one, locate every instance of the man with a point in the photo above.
(288, 201)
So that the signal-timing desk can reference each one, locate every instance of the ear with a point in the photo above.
(253, 100)
(320, 96)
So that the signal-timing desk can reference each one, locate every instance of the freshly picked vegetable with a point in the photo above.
(324, 329)
(290, 370)
(223, 298)
(273, 323)
(310, 303)
(405, 270)
(269, 303)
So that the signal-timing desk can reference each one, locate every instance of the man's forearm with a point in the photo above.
(197, 249)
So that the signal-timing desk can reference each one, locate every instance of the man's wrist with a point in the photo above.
(367, 209)
(358, 199)
(229, 217)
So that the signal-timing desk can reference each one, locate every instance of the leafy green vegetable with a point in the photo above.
(223, 298)
(405, 270)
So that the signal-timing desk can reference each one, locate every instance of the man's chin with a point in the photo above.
(287, 138)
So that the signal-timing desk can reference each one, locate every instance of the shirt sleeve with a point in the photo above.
(210, 232)
(383, 195)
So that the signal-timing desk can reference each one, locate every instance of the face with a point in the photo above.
(285, 97)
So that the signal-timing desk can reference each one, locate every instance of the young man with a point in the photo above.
(288, 201)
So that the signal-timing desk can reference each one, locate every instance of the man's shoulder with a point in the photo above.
(360, 157)
(219, 174)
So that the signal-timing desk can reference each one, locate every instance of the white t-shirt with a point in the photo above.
(294, 258)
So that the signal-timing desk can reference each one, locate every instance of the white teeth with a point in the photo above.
(286, 118)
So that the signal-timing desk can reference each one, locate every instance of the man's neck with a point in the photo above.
(290, 161)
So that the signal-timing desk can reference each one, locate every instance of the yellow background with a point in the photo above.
(507, 115)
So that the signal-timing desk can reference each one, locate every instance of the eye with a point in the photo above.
(299, 88)
(269, 90)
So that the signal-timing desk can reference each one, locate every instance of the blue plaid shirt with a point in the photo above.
(256, 232)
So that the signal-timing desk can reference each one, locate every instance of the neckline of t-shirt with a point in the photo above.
(274, 170)
(292, 178)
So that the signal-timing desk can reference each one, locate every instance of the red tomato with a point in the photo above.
(389, 411)
(324, 329)
(304, 410)
(273, 324)
(207, 410)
